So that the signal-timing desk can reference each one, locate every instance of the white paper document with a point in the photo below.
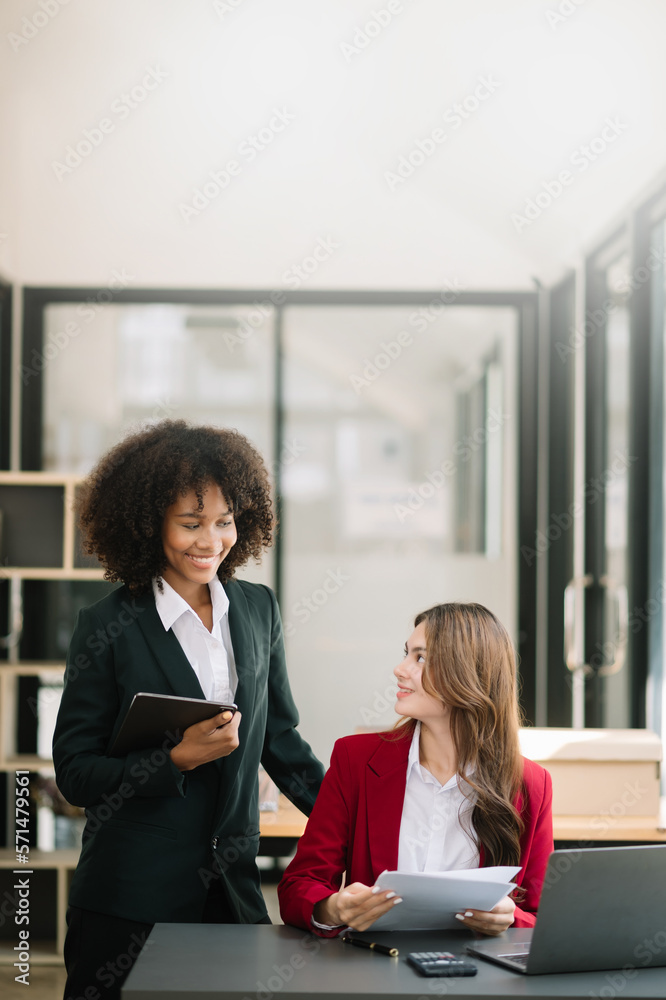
(430, 900)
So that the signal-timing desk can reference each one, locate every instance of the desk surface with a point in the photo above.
(289, 821)
(263, 962)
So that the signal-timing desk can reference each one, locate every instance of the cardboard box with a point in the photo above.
(599, 772)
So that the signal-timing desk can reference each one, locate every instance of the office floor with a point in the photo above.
(47, 981)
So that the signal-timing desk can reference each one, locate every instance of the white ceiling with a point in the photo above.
(557, 79)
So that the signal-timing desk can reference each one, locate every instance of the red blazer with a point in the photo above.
(355, 826)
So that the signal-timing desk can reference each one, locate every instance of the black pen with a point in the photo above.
(383, 949)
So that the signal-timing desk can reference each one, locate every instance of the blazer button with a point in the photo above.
(215, 842)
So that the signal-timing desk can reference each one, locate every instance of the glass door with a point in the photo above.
(105, 369)
(609, 462)
(653, 611)
(402, 491)
(400, 429)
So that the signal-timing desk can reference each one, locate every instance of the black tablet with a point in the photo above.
(159, 720)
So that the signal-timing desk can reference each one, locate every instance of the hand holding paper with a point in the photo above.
(432, 899)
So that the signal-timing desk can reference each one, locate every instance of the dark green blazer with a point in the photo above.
(156, 838)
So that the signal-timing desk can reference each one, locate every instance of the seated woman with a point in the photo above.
(446, 789)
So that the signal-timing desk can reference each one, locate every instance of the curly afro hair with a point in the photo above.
(122, 503)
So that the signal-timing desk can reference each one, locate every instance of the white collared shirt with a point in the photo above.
(210, 654)
(436, 832)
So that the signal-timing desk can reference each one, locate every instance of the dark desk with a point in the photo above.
(262, 962)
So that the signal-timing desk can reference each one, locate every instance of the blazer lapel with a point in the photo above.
(386, 778)
(167, 650)
(171, 658)
(243, 644)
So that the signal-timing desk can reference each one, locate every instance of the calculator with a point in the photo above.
(441, 963)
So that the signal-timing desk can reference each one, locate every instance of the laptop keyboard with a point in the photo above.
(519, 957)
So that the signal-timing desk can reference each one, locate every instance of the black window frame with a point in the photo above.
(36, 299)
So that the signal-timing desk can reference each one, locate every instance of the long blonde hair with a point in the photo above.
(471, 668)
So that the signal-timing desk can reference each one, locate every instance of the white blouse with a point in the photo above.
(210, 654)
(436, 832)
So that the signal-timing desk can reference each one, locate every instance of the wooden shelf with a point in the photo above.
(38, 542)
(41, 953)
(40, 859)
(9, 677)
(32, 668)
(27, 762)
(49, 498)
(70, 479)
(48, 573)
(48, 951)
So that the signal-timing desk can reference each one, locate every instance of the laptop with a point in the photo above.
(600, 908)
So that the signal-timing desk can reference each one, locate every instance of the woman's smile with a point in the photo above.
(204, 561)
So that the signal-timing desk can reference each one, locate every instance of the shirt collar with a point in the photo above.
(170, 605)
(413, 758)
(219, 598)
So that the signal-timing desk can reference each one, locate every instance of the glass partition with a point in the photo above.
(654, 607)
(131, 364)
(401, 494)
(616, 699)
(391, 427)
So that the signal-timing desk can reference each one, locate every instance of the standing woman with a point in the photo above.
(446, 789)
(172, 833)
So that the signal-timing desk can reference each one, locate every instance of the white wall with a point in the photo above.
(555, 79)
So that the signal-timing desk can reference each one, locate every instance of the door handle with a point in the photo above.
(618, 593)
(570, 654)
